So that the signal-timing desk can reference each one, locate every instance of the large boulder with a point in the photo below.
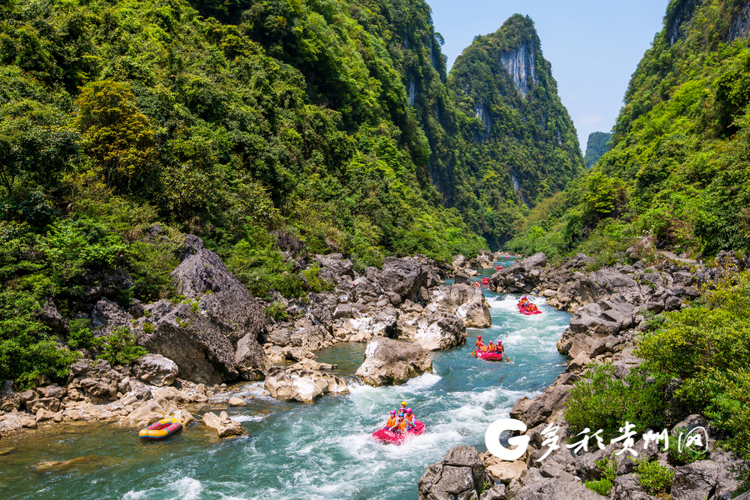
(198, 347)
(461, 475)
(467, 302)
(310, 337)
(405, 276)
(390, 362)
(522, 277)
(223, 300)
(156, 370)
(303, 384)
(440, 330)
(224, 426)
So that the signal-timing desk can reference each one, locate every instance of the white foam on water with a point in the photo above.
(424, 381)
(248, 418)
(135, 495)
(188, 488)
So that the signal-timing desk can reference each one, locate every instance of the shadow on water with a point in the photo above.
(298, 451)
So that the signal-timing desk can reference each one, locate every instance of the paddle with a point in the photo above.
(506, 358)
(473, 353)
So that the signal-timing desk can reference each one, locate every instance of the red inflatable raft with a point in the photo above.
(387, 436)
(528, 313)
(490, 356)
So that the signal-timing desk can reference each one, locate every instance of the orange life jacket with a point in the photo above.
(391, 422)
(410, 418)
(402, 425)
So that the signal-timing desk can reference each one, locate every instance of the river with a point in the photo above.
(321, 451)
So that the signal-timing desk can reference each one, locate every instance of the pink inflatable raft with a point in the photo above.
(490, 356)
(386, 436)
(528, 313)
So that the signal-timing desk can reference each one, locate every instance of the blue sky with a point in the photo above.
(594, 46)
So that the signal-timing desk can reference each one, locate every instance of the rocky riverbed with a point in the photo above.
(610, 306)
(218, 335)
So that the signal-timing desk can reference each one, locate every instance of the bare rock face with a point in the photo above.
(94, 380)
(439, 330)
(156, 370)
(250, 358)
(461, 474)
(303, 383)
(201, 351)
(9, 399)
(390, 362)
(465, 301)
(522, 277)
(108, 315)
(225, 427)
(154, 410)
(407, 276)
(51, 316)
(548, 489)
(223, 299)
(310, 337)
(335, 268)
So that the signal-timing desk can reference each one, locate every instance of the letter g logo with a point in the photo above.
(492, 439)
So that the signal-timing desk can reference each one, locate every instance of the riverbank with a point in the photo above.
(611, 306)
(308, 451)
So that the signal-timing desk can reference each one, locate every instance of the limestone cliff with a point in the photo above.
(520, 144)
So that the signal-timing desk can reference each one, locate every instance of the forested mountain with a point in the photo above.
(596, 146)
(330, 121)
(521, 145)
(680, 164)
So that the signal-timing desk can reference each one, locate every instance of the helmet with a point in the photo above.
(393, 412)
(408, 410)
(490, 341)
(499, 341)
(479, 337)
(403, 403)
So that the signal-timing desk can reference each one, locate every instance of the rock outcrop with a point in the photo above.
(462, 474)
(302, 382)
(157, 370)
(391, 362)
(224, 426)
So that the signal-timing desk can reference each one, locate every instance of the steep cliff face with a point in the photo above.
(521, 65)
(679, 163)
(521, 144)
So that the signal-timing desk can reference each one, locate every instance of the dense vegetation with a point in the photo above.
(596, 146)
(699, 357)
(329, 120)
(115, 116)
(679, 165)
(521, 145)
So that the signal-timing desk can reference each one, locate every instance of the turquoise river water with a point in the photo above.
(296, 451)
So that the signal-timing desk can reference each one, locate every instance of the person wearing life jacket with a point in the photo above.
(500, 348)
(491, 348)
(409, 418)
(479, 342)
(403, 407)
(400, 426)
(391, 420)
